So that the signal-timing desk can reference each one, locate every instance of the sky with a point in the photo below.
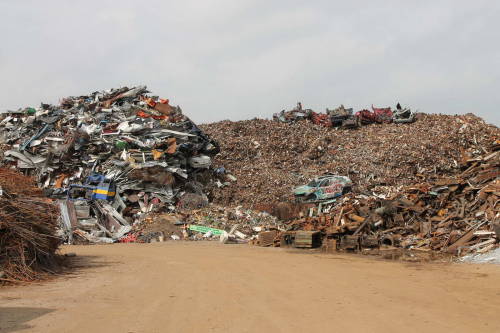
(240, 59)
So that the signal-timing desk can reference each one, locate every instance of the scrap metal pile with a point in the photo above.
(270, 158)
(134, 149)
(130, 167)
(207, 223)
(248, 221)
(457, 214)
(28, 230)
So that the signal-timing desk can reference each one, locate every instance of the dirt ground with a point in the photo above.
(209, 287)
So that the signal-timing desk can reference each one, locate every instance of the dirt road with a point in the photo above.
(208, 287)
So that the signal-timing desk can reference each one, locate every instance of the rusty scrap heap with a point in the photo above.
(270, 158)
(457, 214)
(150, 151)
(28, 230)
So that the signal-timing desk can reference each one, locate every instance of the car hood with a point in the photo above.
(304, 189)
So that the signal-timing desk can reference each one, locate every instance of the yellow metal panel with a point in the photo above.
(98, 191)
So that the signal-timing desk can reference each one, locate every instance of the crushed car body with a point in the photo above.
(323, 188)
(403, 115)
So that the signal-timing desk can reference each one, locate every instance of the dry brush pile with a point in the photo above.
(28, 226)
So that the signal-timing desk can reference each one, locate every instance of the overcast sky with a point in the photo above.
(239, 59)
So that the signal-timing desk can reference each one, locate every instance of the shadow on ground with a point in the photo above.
(68, 267)
(76, 265)
(13, 319)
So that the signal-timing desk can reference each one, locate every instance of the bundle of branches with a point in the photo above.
(17, 184)
(28, 226)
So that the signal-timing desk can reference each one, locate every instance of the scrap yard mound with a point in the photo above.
(122, 165)
(432, 185)
(111, 158)
(270, 158)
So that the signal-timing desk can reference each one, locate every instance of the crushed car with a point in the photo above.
(340, 115)
(296, 114)
(323, 188)
(382, 115)
(379, 115)
(403, 115)
(366, 117)
(321, 119)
